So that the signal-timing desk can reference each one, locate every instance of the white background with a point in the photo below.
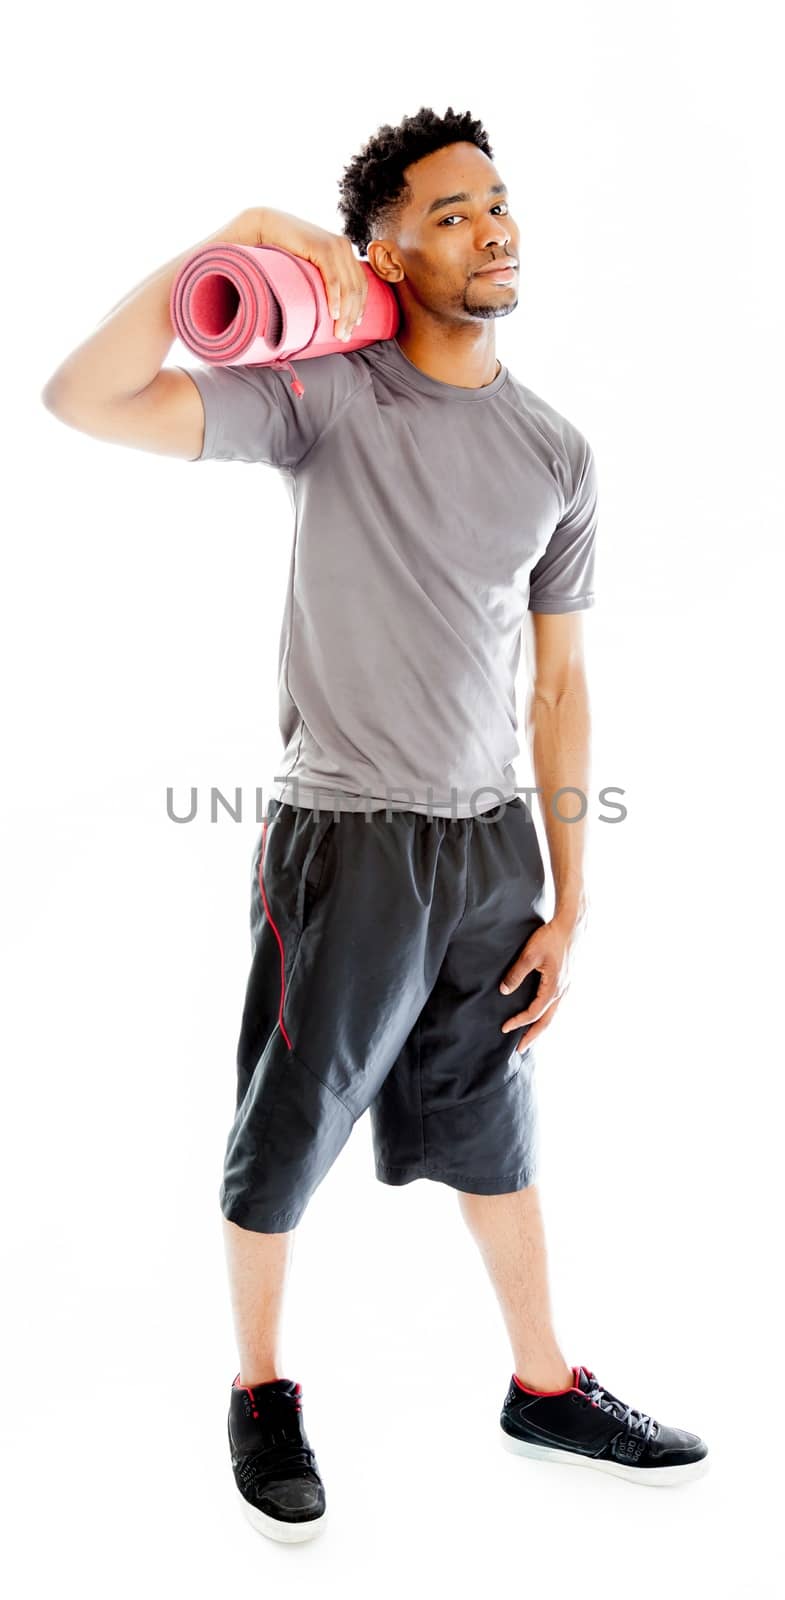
(141, 609)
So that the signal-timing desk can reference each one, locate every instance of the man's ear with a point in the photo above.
(383, 262)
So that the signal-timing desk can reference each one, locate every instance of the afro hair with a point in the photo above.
(373, 188)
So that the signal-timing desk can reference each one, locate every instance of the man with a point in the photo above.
(402, 963)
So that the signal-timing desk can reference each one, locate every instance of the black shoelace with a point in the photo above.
(636, 1421)
(270, 1462)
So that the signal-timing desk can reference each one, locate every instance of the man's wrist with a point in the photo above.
(572, 909)
(248, 227)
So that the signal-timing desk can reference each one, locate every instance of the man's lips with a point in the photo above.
(497, 266)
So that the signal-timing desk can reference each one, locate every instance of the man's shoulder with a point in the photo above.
(560, 432)
(329, 380)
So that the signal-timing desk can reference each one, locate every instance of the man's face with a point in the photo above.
(441, 242)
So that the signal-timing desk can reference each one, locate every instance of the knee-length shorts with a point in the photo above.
(379, 941)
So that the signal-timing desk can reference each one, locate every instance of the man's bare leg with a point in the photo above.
(258, 1265)
(508, 1229)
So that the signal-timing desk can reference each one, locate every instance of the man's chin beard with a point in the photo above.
(492, 311)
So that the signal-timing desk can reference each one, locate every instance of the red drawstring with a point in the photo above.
(296, 384)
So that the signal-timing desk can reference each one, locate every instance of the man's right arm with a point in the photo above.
(114, 385)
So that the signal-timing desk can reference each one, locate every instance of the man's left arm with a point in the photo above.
(558, 726)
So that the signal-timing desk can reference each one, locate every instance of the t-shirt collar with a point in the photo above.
(390, 354)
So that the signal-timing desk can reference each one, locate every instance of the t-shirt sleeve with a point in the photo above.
(253, 413)
(563, 577)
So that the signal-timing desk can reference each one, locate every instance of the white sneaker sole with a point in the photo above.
(286, 1532)
(656, 1476)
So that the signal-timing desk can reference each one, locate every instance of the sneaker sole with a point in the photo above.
(658, 1477)
(286, 1532)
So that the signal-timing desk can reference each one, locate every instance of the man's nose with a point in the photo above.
(500, 235)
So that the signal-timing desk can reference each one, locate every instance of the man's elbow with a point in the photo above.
(568, 685)
(53, 397)
(47, 396)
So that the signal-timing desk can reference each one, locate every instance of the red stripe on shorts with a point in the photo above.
(277, 935)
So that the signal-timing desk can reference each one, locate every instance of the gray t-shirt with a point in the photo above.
(427, 518)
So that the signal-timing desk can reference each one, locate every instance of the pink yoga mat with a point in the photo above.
(258, 305)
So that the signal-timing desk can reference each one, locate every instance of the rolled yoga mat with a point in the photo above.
(258, 305)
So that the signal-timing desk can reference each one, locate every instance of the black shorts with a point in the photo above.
(379, 941)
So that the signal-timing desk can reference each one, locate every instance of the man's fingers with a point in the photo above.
(332, 284)
(536, 1028)
(523, 1018)
(520, 969)
(353, 298)
(515, 977)
(543, 1001)
(347, 302)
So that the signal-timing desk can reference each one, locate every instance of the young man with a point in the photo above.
(402, 962)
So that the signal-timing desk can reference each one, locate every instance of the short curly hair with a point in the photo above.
(373, 189)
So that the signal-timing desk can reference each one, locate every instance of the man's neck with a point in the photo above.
(468, 364)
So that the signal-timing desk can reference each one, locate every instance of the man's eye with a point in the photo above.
(501, 204)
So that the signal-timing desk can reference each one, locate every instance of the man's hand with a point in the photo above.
(549, 952)
(344, 276)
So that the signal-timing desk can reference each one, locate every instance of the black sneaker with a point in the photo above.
(274, 1466)
(588, 1426)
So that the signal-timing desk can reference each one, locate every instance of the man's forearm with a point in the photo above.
(560, 736)
(129, 346)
